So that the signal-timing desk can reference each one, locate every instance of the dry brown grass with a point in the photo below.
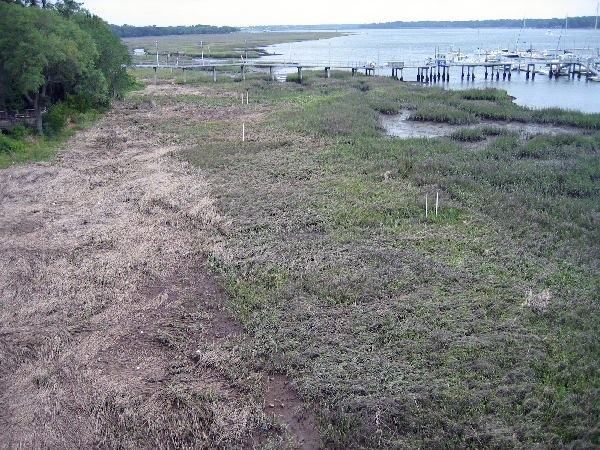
(539, 301)
(102, 295)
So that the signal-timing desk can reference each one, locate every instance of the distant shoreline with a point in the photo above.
(583, 22)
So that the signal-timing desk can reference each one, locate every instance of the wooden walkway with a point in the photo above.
(11, 118)
(426, 73)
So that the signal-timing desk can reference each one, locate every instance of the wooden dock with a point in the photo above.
(11, 118)
(435, 71)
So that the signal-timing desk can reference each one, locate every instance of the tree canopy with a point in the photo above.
(125, 31)
(573, 22)
(50, 52)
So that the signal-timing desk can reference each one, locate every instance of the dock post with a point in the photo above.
(271, 73)
(473, 74)
(214, 74)
(401, 74)
(154, 75)
(533, 72)
(486, 73)
(244, 73)
(504, 73)
(587, 69)
(328, 72)
(509, 72)
(462, 77)
(300, 74)
(497, 73)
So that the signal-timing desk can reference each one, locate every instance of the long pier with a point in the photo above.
(426, 73)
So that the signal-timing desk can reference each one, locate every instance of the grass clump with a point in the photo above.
(468, 135)
(444, 114)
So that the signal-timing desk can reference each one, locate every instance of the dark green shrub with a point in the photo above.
(78, 103)
(10, 145)
(18, 131)
(55, 118)
(5, 143)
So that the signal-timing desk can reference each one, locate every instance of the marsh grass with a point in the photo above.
(219, 45)
(404, 331)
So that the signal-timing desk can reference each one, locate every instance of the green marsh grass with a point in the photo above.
(400, 330)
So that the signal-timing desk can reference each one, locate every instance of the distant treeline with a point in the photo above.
(571, 22)
(125, 31)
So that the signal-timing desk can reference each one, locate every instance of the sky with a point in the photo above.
(242, 13)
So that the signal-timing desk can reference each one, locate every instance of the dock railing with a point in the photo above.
(15, 117)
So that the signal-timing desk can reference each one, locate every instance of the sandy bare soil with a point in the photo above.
(104, 302)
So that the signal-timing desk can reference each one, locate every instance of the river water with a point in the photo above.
(413, 46)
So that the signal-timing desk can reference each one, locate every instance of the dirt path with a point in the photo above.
(108, 323)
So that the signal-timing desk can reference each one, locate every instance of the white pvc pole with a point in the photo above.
(437, 202)
(426, 204)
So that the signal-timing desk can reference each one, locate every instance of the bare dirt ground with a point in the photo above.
(109, 325)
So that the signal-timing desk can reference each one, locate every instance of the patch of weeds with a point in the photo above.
(467, 135)
(443, 114)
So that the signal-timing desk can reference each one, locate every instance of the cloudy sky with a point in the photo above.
(310, 12)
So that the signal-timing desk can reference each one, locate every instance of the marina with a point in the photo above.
(546, 74)
(434, 70)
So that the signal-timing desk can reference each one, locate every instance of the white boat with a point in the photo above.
(508, 54)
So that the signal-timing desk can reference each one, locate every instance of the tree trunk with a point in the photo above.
(37, 107)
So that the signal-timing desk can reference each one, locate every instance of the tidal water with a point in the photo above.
(414, 46)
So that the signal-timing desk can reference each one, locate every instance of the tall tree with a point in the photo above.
(113, 55)
(44, 56)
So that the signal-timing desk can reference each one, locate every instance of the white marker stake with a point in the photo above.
(437, 202)
(246, 97)
(243, 132)
(426, 201)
